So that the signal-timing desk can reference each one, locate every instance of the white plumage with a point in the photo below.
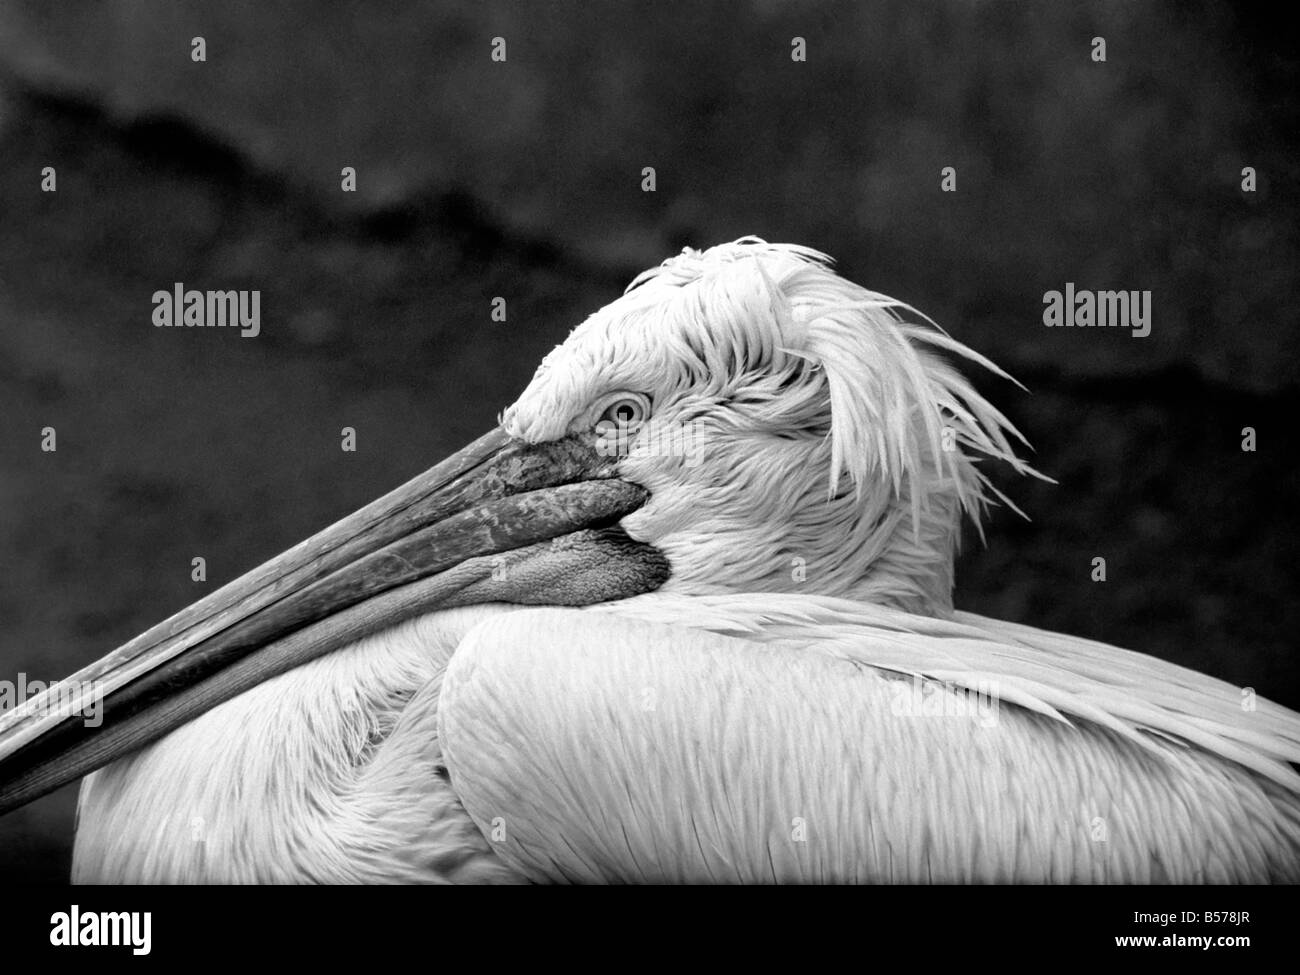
(747, 721)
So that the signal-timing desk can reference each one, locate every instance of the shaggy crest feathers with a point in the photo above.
(761, 320)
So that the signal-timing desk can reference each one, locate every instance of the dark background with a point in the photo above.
(478, 179)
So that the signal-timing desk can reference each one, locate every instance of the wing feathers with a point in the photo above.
(611, 748)
(1135, 695)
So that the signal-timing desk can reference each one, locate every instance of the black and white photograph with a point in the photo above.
(764, 442)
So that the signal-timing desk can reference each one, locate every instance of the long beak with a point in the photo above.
(450, 537)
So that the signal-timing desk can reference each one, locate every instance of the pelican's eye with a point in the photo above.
(618, 417)
(624, 411)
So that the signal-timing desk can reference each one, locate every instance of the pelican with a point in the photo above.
(685, 616)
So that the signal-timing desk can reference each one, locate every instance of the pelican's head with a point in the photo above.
(741, 419)
(796, 432)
